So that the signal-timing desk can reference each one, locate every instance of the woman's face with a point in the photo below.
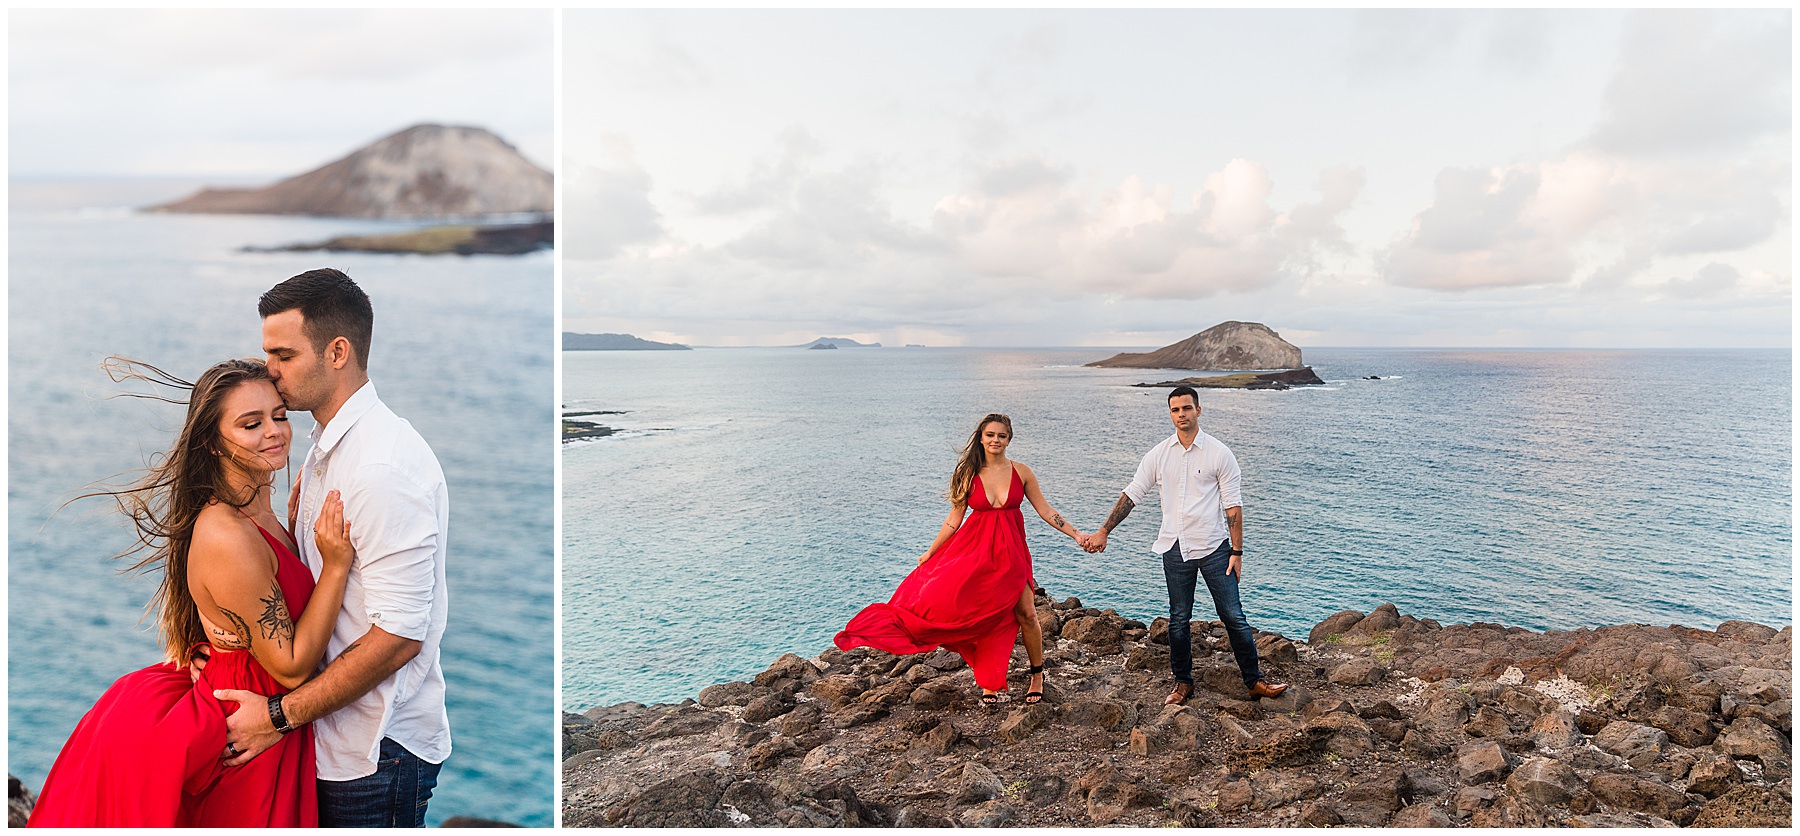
(994, 437)
(254, 431)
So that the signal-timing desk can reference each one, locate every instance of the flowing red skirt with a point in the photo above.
(962, 599)
(149, 753)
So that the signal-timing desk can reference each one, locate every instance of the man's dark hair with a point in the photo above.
(331, 306)
(1185, 390)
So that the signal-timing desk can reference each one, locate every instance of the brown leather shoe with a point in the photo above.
(1180, 695)
(1263, 689)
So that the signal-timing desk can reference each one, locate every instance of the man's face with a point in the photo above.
(1184, 412)
(301, 374)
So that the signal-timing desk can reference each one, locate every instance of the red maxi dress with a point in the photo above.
(962, 598)
(149, 753)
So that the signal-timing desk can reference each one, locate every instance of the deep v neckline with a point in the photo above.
(1012, 473)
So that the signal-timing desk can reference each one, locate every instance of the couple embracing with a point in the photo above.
(240, 726)
(973, 589)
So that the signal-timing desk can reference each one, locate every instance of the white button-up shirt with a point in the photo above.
(1198, 484)
(399, 512)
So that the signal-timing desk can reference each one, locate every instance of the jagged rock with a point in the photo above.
(840, 688)
(1274, 649)
(1346, 734)
(1295, 748)
(1481, 762)
(801, 720)
(1749, 738)
(1381, 619)
(1237, 795)
(1421, 815)
(1177, 728)
(1147, 657)
(683, 724)
(728, 693)
(789, 666)
(687, 800)
(1279, 787)
(1044, 789)
(988, 814)
(1093, 630)
(1470, 799)
(976, 783)
(1422, 747)
(1745, 631)
(889, 695)
(767, 754)
(1445, 710)
(1025, 720)
(1369, 802)
(1111, 715)
(1630, 792)
(939, 740)
(1556, 731)
(1638, 745)
(919, 817)
(1359, 671)
(1489, 722)
(1335, 625)
(767, 707)
(1714, 775)
(1747, 807)
(1684, 727)
(1319, 814)
(1509, 811)
(829, 762)
(1544, 781)
(939, 694)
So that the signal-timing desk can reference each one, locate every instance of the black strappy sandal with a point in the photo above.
(1034, 697)
(991, 700)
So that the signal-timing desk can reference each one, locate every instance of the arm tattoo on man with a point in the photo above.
(275, 622)
(346, 651)
(238, 640)
(1120, 511)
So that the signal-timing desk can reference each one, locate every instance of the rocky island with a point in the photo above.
(1392, 720)
(1303, 376)
(838, 342)
(1228, 346)
(465, 239)
(615, 342)
(425, 171)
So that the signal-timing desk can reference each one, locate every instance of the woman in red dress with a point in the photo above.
(972, 592)
(149, 753)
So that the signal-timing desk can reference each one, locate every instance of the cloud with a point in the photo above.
(607, 209)
(768, 181)
(1693, 81)
(1711, 280)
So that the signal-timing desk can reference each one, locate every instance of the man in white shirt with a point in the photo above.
(380, 729)
(1202, 519)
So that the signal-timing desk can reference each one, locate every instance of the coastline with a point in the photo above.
(1392, 721)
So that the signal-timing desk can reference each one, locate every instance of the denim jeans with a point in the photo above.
(1181, 575)
(395, 796)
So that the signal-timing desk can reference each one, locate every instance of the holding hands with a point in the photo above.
(1093, 543)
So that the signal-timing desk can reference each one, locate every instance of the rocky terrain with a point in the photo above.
(1303, 376)
(1392, 721)
(425, 171)
(462, 239)
(1227, 346)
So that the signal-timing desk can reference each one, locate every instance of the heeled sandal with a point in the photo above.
(1035, 697)
(990, 700)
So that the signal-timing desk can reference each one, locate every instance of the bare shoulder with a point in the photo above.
(1025, 471)
(224, 538)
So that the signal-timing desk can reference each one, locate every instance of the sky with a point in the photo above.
(248, 94)
(1479, 178)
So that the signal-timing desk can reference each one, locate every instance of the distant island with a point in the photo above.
(817, 346)
(1302, 376)
(838, 342)
(615, 342)
(466, 239)
(1228, 346)
(425, 171)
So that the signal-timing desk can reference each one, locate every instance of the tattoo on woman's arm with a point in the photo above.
(275, 621)
(1120, 511)
(1056, 522)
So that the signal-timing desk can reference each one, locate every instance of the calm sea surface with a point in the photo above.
(462, 350)
(755, 499)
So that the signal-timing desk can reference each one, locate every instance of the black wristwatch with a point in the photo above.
(1237, 552)
(277, 716)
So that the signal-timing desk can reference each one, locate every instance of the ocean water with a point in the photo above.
(462, 349)
(755, 499)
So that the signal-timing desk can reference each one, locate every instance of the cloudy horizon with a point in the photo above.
(236, 96)
(1411, 177)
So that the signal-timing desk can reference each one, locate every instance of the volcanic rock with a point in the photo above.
(1228, 346)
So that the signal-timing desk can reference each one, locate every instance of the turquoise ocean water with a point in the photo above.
(462, 350)
(755, 499)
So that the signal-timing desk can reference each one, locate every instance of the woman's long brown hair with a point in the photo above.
(164, 503)
(973, 457)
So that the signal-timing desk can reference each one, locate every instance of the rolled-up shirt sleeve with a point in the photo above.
(394, 527)
(1229, 481)
(1147, 474)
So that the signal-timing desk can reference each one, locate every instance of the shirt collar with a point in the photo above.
(326, 436)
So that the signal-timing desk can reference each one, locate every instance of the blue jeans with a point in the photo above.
(1181, 575)
(395, 796)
